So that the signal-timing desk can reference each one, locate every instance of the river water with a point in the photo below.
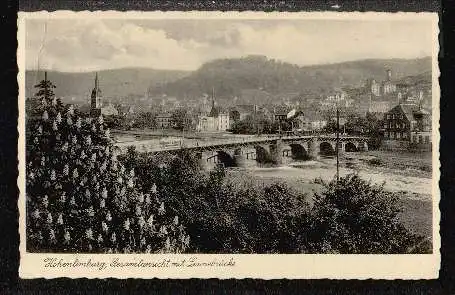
(395, 180)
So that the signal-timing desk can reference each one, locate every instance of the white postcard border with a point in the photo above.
(276, 266)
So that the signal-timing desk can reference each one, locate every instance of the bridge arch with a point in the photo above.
(298, 151)
(350, 147)
(326, 148)
(225, 158)
(262, 154)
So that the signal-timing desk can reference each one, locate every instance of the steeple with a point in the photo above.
(214, 111)
(95, 105)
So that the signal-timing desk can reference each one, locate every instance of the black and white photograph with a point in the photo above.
(230, 135)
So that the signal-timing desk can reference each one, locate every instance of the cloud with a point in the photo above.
(81, 45)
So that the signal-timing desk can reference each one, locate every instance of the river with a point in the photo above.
(301, 172)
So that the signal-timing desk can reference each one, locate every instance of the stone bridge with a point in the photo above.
(273, 150)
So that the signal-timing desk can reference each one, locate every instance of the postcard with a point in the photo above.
(228, 145)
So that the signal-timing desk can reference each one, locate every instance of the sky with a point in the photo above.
(77, 45)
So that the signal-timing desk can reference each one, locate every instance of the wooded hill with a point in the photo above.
(113, 83)
(231, 78)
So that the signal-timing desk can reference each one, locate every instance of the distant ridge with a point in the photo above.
(114, 83)
(231, 78)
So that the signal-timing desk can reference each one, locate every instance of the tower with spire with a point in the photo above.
(95, 105)
(214, 111)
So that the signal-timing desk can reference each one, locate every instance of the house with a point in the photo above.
(383, 88)
(309, 120)
(408, 122)
(206, 123)
(164, 120)
(109, 110)
(244, 110)
(280, 113)
(338, 98)
(216, 120)
(380, 106)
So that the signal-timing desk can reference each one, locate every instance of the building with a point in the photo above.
(223, 121)
(164, 120)
(408, 122)
(240, 112)
(373, 87)
(388, 86)
(96, 103)
(336, 99)
(216, 120)
(309, 120)
(206, 123)
(383, 88)
(380, 106)
(280, 113)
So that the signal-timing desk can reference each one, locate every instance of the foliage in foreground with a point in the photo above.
(80, 198)
(355, 216)
(225, 215)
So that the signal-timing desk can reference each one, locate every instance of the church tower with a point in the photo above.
(388, 75)
(95, 106)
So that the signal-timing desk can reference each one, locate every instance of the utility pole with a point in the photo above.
(337, 144)
(46, 86)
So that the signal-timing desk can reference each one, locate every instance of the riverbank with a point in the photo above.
(407, 174)
(418, 164)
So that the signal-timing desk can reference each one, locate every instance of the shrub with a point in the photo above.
(355, 216)
(223, 213)
(375, 162)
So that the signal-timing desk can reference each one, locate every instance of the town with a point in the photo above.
(396, 116)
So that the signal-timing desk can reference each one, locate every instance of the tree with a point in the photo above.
(374, 126)
(45, 97)
(355, 216)
(181, 119)
(45, 90)
(253, 124)
(80, 198)
(245, 126)
(145, 120)
(368, 126)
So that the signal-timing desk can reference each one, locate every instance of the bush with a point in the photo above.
(354, 216)
(375, 162)
(222, 215)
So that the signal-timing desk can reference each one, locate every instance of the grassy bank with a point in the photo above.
(406, 163)
(416, 215)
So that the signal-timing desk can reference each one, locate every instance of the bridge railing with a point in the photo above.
(152, 146)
